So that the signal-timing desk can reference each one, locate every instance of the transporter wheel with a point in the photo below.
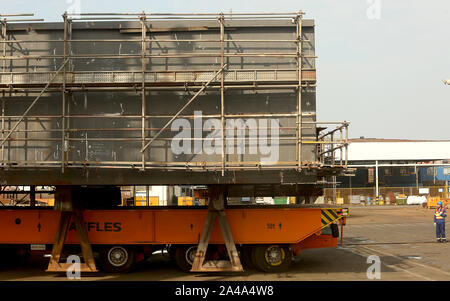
(171, 251)
(4, 256)
(272, 258)
(334, 230)
(184, 257)
(117, 259)
(246, 258)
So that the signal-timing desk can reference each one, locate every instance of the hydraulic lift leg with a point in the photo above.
(216, 210)
(69, 209)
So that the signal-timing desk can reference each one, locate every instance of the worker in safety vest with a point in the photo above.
(439, 220)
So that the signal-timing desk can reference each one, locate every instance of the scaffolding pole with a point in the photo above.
(222, 89)
(299, 142)
(4, 39)
(143, 100)
(182, 108)
(34, 102)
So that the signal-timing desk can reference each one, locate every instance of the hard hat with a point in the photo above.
(439, 203)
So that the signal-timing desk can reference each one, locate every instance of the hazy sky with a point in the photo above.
(383, 75)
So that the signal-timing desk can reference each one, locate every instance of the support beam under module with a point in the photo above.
(69, 210)
(216, 210)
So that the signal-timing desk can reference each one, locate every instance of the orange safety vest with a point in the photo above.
(438, 213)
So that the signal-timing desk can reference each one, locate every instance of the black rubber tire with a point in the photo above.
(261, 260)
(246, 258)
(171, 251)
(334, 230)
(181, 257)
(123, 266)
(4, 255)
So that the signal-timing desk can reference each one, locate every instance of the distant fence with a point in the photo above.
(391, 193)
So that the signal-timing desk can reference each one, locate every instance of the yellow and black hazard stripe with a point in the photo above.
(328, 216)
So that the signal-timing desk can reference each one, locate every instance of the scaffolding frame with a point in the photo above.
(67, 81)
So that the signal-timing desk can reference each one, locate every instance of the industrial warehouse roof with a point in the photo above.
(398, 149)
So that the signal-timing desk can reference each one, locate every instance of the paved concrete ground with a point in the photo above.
(402, 237)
